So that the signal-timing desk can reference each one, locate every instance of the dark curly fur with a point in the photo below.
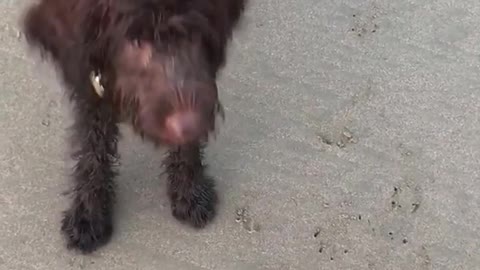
(158, 61)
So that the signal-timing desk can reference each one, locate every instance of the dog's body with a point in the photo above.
(158, 61)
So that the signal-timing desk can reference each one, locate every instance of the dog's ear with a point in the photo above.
(45, 27)
(56, 25)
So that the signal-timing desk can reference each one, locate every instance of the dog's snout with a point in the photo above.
(183, 126)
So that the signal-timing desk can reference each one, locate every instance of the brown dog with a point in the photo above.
(153, 63)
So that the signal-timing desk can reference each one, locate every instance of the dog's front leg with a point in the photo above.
(192, 193)
(87, 224)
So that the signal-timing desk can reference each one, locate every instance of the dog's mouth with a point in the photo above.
(183, 128)
(177, 128)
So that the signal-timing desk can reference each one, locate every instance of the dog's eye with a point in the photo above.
(136, 43)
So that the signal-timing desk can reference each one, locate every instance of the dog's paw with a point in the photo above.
(86, 232)
(196, 207)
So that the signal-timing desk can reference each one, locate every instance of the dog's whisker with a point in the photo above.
(194, 98)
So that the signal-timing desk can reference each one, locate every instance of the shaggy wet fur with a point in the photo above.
(158, 61)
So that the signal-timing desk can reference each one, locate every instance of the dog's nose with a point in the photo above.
(183, 127)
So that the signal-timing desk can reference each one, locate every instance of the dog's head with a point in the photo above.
(167, 89)
(158, 68)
